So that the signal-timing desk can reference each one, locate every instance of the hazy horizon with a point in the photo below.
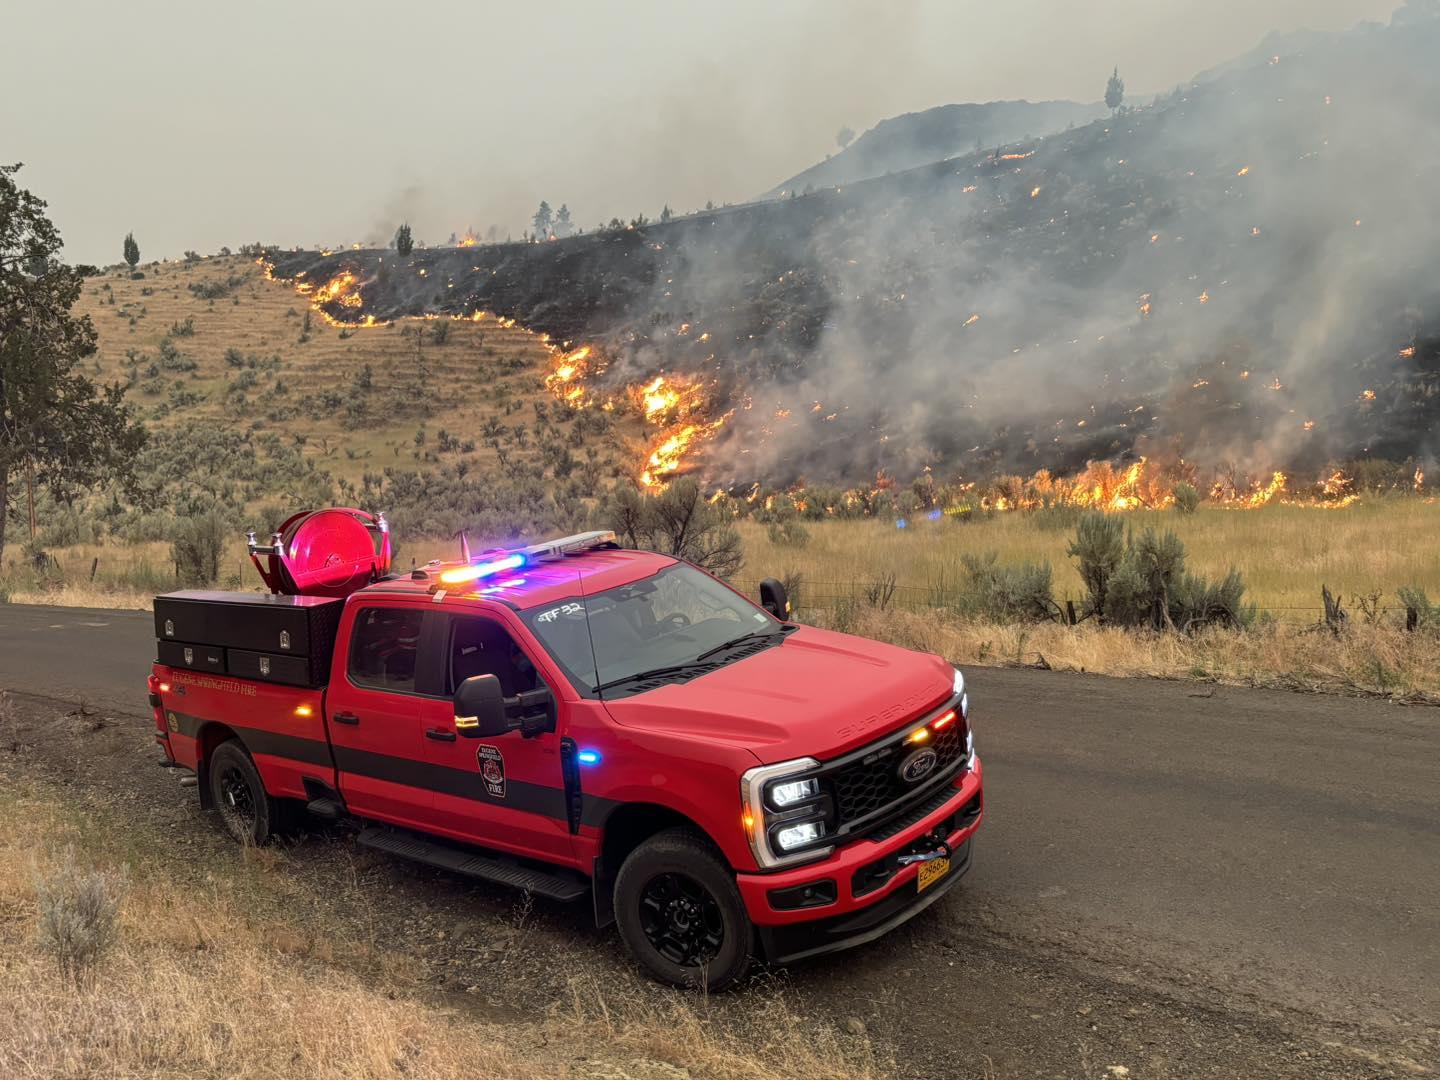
(321, 126)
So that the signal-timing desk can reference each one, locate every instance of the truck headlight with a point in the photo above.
(960, 692)
(790, 792)
(784, 813)
(794, 836)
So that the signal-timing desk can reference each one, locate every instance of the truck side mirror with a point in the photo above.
(480, 708)
(774, 599)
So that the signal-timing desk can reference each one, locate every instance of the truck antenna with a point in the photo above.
(594, 659)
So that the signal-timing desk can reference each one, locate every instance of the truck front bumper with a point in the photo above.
(871, 895)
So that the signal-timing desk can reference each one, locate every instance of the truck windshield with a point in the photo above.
(678, 617)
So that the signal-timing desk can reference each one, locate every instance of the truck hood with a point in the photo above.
(816, 694)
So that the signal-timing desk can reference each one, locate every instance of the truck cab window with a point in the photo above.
(484, 647)
(384, 647)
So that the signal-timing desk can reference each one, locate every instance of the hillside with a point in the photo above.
(904, 142)
(257, 401)
(1241, 277)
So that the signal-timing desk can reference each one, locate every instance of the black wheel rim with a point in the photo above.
(236, 801)
(681, 920)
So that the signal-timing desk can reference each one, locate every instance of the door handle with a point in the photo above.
(440, 735)
(345, 718)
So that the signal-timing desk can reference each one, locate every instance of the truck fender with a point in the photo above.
(210, 735)
(625, 827)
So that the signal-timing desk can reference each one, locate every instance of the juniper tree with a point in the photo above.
(58, 430)
(404, 242)
(1114, 90)
(132, 250)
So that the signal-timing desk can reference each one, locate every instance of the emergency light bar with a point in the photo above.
(550, 549)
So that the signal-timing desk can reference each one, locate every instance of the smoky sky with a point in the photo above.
(197, 125)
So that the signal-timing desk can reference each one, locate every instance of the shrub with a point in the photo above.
(1019, 593)
(79, 916)
(1099, 545)
(678, 521)
(183, 329)
(1147, 585)
(1187, 498)
(198, 546)
(1138, 593)
(440, 332)
(172, 359)
(1414, 598)
(787, 530)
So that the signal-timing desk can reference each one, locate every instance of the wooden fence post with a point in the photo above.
(94, 565)
(1070, 611)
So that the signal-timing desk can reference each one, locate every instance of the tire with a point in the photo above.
(238, 794)
(680, 914)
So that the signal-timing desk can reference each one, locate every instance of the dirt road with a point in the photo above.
(1180, 879)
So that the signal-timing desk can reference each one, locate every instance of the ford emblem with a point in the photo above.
(918, 765)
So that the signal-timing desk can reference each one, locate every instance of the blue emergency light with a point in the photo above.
(484, 569)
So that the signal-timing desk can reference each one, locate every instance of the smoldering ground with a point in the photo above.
(1242, 273)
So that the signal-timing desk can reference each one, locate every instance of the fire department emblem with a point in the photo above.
(492, 769)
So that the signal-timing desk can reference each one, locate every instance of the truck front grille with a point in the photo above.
(873, 783)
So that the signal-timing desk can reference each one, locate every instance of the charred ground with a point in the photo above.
(1242, 273)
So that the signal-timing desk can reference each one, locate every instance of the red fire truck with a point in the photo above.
(576, 719)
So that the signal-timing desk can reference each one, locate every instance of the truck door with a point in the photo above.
(373, 715)
(505, 792)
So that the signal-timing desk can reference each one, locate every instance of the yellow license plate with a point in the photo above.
(931, 872)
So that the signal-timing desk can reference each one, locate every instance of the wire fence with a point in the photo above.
(948, 596)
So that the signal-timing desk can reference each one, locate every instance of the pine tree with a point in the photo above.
(1114, 90)
(562, 216)
(404, 242)
(844, 137)
(542, 221)
(132, 250)
(58, 430)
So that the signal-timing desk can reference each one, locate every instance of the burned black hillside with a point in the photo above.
(1246, 273)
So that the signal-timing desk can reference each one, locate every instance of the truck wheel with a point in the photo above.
(680, 913)
(248, 813)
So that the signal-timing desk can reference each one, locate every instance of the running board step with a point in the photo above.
(328, 809)
(555, 884)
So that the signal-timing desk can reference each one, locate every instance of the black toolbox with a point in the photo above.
(255, 622)
(279, 668)
(186, 654)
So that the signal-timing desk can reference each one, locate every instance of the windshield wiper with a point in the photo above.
(753, 635)
(655, 673)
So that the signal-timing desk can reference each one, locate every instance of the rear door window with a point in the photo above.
(385, 647)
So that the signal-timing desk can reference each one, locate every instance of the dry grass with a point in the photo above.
(1285, 553)
(1365, 659)
(200, 986)
(467, 374)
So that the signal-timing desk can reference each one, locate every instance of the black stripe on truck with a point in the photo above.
(425, 775)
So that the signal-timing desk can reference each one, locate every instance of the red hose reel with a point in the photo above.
(330, 552)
